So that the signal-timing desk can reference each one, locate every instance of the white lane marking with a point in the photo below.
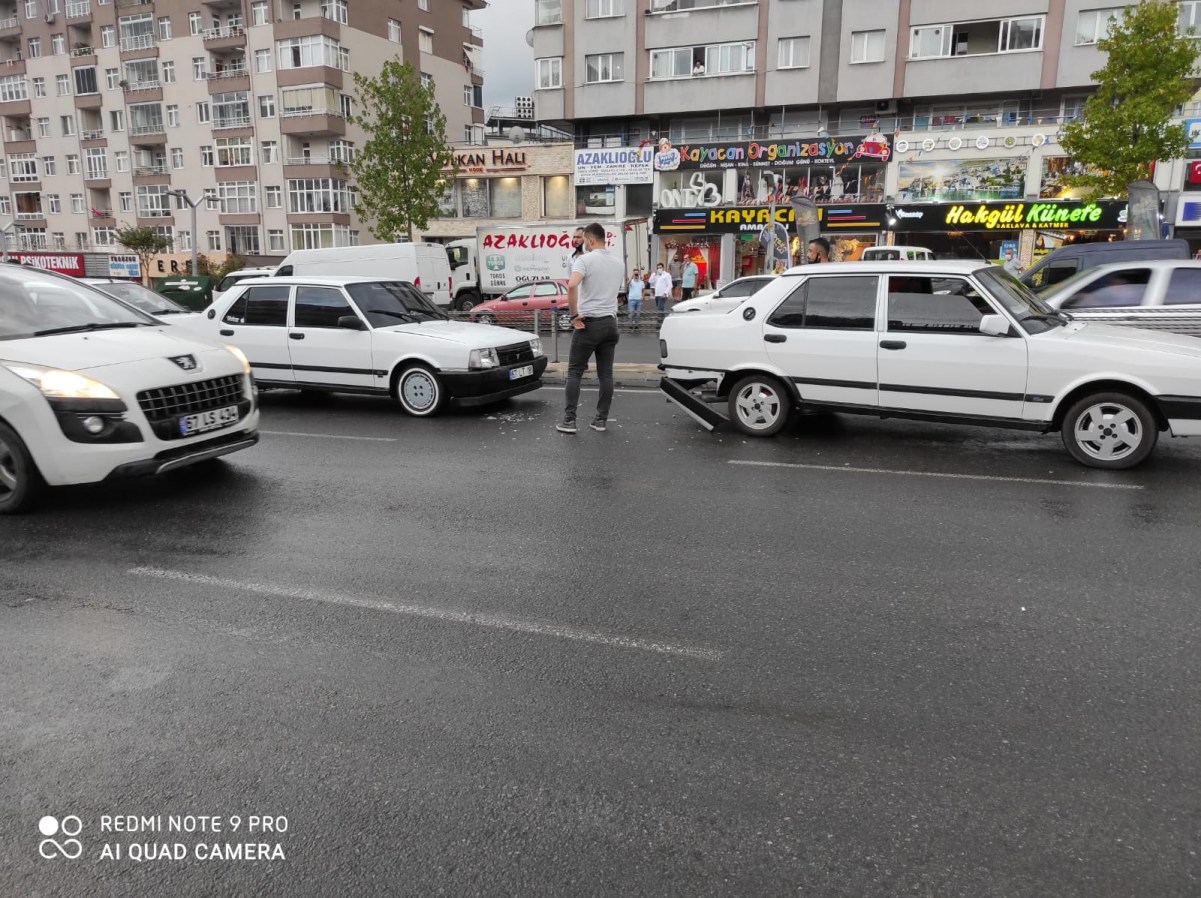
(494, 621)
(849, 470)
(326, 436)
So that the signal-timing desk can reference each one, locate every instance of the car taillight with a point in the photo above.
(417, 282)
(450, 283)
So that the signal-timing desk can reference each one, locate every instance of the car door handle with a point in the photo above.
(227, 333)
(892, 344)
(296, 336)
(774, 338)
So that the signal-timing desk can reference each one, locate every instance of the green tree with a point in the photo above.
(145, 243)
(1127, 124)
(400, 172)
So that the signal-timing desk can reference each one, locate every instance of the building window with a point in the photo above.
(177, 157)
(341, 151)
(394, 31)
(95, 164)
(183, 241)
(423, 4)
(604, 67)
(258, 13)
(233, 151)
(1021, 34)
(1188, 17)
(319, 236)
(210, 199)
(137, 32)
(548, 73)
(31, 9)
(169, 72)
(200, 68)
(319, 195)
(558, 199)
(238, 197)
(23, 168)
(108, 36)
(231, 110)
(54, 203)
(35, 47)
(307, 52)
(709, 59)
(77, 203)
(267, 106)
(867, 46)
(269, 152)
(794, 53)
(548, 12)
(172, 115)
(243, 239)
(85, 81)
(195, 23)
(273, 198)
(601, 9)
(62, 84)
(112, 78)
(206, 156)
(164, 29)
(425, 41)
(58, 44)
(203, 113)
(214, 241)
(153, 201)
(116, 119)
(39, 86)
(262, 60)
(49, 166)
(976, 38)
(68, 125)
(275, 241)
(334, 9)
(121, 160)
(43, 127)
(12, 87)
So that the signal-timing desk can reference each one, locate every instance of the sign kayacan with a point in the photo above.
(1104, 215)
(769, 154)
(751, 219)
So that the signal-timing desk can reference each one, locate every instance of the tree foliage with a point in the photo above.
(145, 243)
(1126, 125)
(400, 172)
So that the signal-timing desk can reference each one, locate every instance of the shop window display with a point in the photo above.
(843, 183)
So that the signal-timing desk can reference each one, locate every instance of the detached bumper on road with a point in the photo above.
(693, 405)
(482, 387)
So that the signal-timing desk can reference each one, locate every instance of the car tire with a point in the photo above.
(468, 301)
(420, 392)
(485, 318)
(1113, 431)
(759, 406)
(20, 480)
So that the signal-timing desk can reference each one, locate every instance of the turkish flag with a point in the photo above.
(1194, 172)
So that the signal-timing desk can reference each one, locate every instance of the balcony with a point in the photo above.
(83, 50)
(148, 130)
(314, 122)
(77, 9)
(91, 135)
(226, 122)
(99, 216)
(229, 36)
(10, 24)
(137, 42)
(96, 174)
(30, 216)
(158, 168)
(135, 86)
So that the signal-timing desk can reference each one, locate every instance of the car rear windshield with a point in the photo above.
(35, 303)
(385, 303)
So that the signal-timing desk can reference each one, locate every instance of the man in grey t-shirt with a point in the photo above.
(596, 279)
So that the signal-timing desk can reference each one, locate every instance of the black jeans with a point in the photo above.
(599, 336)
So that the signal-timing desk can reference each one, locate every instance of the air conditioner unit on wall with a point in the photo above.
(886, 106)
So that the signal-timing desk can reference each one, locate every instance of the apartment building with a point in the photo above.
(116, 112)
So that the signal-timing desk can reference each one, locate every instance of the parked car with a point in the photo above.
(143, 298)
(226, 283)
(733, 293)
(518, 305)
(364, 335)
(1155, 294)
(1067, 260)
(896, 254)
(93, 389)
(952, 341)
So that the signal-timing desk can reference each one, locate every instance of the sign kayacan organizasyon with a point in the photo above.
(614, 165)
(1061, 215)
(772, 154)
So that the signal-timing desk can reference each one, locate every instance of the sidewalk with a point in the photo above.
(624, 375)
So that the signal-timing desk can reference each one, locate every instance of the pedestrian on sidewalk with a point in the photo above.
(676, 269)
(689, 275)
(660, 285)
(634, 297)
(592, 292)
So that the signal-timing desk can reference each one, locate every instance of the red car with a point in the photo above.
(518, 305)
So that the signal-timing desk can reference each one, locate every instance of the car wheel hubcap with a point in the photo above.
(419, 391)
(1108, 431)
(8, 470)
(758, 406)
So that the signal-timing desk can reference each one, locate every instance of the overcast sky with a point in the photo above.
(508, 59)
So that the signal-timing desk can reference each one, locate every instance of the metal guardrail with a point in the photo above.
(10, 23)
(91, 135)
(241, 121)
(216, 34)
(83, 51)
(143, 130)
(78, 8)
(137, 42)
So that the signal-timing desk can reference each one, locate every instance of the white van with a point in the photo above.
(424, 265)
(896, 254)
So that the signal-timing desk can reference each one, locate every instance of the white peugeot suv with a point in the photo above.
(93, 389)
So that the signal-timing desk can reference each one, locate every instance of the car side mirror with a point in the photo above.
(351, 323)
(995, 326)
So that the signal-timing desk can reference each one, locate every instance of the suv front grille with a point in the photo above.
(168, 403)
(515, 354)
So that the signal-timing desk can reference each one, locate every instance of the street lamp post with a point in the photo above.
(181, 194)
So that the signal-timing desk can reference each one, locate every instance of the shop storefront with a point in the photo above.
(725, 241)
(990, 230)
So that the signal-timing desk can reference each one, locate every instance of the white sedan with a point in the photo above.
(945, 341)
(93, 389)
(365, 335)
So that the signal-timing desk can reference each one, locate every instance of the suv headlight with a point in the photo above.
(58, 384)
(536, 347)
(483, 358)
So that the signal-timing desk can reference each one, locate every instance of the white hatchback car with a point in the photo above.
(949, 341)
(364, 335)
(93, 389)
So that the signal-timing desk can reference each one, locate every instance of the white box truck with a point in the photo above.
(500, 258)
(424, 265)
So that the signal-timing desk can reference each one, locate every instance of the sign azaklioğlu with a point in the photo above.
(1103, 215)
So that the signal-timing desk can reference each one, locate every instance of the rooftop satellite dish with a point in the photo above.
(529, 37)
(516, 134)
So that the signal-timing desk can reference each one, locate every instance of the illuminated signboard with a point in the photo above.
(1060, 215)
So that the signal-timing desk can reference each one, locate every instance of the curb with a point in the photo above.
(624, 375)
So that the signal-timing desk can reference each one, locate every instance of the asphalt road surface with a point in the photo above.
(472, 656)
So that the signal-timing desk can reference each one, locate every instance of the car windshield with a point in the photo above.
(1034, 315)
(36, 303)
(141, 298)
(385, 303)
